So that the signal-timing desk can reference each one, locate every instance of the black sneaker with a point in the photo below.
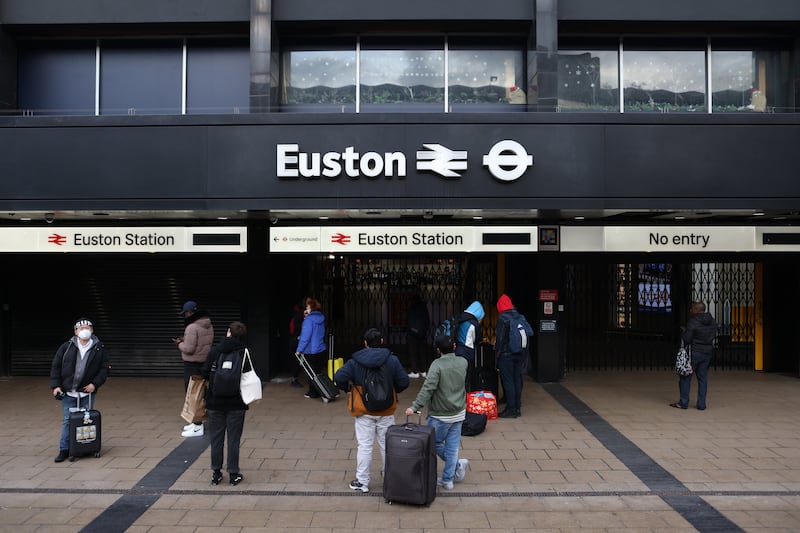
(236, 477)
(216, 477)
(62, 456)
(311, 395)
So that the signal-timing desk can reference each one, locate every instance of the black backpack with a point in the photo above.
(377, 391)
(226, 374)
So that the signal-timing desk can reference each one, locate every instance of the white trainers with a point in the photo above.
(413, 375)
(357, 485)
(423, 374)
(444, 484)
(195, 431)
(188, 426)
(461, 470)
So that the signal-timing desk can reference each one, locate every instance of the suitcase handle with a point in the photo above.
(419, 418)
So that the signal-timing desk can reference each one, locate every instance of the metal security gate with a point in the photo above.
(628, 314)
(358, 292)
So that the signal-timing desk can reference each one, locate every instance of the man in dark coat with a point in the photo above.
(369, 425)
(79, 368)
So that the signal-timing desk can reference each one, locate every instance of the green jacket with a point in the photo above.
(443, 390)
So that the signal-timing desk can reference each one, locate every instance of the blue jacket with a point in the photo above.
(312, 334)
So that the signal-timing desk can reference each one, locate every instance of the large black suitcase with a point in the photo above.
(327, 390)
(410, 473)
(85, 431)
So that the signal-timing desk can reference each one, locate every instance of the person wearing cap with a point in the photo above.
(79, 368)
(194, 345)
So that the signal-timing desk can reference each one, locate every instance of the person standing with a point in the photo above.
(698, 335)
(312, 342)
(446, 397)
(509, 362)
(226, 410)
(194, 345)
(370, 425)
(469, 337)
(79, 368)
(418, 321)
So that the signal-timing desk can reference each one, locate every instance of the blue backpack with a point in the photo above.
(449, 327)
(519, 333)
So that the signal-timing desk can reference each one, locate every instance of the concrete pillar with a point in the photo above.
(543, 58)
(549, 362)
(261, 71)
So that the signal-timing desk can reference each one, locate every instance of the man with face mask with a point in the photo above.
(79, 368)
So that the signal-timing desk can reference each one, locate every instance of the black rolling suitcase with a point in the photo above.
(321, 381)
(484, 376)
(410, 474)
(84, 431)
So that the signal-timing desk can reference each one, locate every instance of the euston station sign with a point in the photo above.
(395, 239)
(505, 160)
(129, 239)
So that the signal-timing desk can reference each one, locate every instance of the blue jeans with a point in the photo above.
(448, 440)
(510, 366)
(700, 362)
(67, 403)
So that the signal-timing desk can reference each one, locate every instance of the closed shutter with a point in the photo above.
(133, 301)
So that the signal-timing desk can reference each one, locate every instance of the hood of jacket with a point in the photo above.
(196, 317)
(504, 303)
(203, 322)
(372, 357)
(229, 344)
(476, 310)
(705, 319)
(316, 317)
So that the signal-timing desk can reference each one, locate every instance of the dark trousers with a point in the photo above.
(189, 370)
(220, 423)
(510, 366)
(418, 351)
(700, 362)
(318, 362)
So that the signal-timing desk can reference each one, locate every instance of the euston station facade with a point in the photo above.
(602, 163)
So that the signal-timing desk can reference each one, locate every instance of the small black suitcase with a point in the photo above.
(85, 431)
(327, 390)
(410, 474)
(484, 377)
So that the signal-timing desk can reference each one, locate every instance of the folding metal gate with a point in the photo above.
(628, 315)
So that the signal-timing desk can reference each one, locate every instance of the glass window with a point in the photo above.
(750, 80)
(57, 79)
(319, 80)
(657, 80)
(404, 80)
(217, 78)
(485, 78)
(141, 78)
(588, 80)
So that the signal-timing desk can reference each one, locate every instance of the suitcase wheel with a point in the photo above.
(97, 454)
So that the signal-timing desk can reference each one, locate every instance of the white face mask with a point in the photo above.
(85, 334)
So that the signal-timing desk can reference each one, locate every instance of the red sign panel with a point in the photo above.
(548, 295)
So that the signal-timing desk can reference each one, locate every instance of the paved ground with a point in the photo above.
(601, 451)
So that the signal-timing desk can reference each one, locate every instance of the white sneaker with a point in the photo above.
(188, 426)
(444, 484)
(413, 375)
(423, 374)
(461, 470)
(195, 431)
